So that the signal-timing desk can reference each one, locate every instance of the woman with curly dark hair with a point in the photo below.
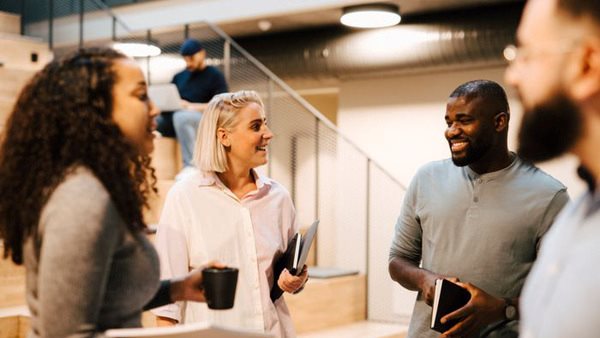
(74, 177)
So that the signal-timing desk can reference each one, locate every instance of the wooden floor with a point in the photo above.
(14, 323)
(364, 329)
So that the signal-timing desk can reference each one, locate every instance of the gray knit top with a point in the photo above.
(86, 272)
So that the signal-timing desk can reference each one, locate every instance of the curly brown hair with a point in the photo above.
(61, 120)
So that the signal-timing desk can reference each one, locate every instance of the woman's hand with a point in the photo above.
(190, 286)
(290, 283)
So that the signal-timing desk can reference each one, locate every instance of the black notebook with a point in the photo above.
(448, 298)
(294, 257)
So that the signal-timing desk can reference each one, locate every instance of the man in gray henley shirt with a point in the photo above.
(478, 217)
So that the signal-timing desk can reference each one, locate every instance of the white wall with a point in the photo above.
(399, 122)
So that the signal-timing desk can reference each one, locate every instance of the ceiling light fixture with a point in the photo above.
(137, 49)
(375, 15)
(264, 25)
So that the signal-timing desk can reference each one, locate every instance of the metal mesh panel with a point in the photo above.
(387, 300)
(293, 149)
(342, 187)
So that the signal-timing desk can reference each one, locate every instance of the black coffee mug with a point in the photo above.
(219, 287)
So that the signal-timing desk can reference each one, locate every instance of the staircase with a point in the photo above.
(20, 58)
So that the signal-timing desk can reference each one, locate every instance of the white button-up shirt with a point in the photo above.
(560, 298)
(202, 221)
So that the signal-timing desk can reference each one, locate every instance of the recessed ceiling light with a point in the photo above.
(137, 49)
(264, 25)
(371, 15)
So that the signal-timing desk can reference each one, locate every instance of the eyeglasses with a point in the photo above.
(513, 53)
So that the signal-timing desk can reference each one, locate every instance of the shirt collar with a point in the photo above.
(208, 178)
(494, 174)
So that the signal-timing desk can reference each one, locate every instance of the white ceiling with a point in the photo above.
(241, 17)
(314, 17)
(235, 17)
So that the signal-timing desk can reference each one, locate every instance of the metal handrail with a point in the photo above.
(298, 98)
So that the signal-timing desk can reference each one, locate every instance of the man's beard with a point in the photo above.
(549, 129)
(473, 154)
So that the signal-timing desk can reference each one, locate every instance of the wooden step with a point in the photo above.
(10, 23)
(156, 201)
(14, 327)
(323, 304)
(166, 158)
(327, 303)
(12, 283)
(23, 52)
(12, 80)
(14, 322)
(6, 106)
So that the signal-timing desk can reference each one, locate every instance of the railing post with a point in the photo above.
(81, 23)
(293, 166)
(23, 6)
(316, 167)
(50, 24)
(227, 61)
(114, 28)
(268, 113)
(148, 41)
(317, 211)
(368, 233)
(186, 31)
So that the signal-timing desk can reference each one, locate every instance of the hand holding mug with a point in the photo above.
(191, 287)
(219, 285)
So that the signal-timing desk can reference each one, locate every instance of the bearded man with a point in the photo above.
(477, 217)
(556, 71)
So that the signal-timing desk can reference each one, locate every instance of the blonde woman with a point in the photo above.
(227, 211)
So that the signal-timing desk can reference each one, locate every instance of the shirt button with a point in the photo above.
(475, 199)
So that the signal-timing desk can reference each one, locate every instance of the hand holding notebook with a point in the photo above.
(448, 298)
(294, 258)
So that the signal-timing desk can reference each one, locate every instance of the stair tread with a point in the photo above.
(10, 23)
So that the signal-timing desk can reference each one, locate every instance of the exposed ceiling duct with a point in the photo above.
(448, 40)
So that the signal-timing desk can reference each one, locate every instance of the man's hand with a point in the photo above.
(197, 106)
(185, 104)
(428, 286)
(481, 310)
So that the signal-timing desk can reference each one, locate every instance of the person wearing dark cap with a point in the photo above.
(197, 84)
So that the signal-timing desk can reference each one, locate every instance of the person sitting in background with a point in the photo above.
(478, 217)
(228, 211)
(74, 164)
(197, 84)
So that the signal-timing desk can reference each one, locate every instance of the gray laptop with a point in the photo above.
(165, 96)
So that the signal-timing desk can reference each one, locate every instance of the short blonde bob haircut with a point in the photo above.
(209, 153)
